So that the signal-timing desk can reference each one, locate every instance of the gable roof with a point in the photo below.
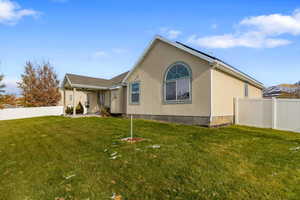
(118, 79)
(94, 83)
(214, 62)
(215, 58)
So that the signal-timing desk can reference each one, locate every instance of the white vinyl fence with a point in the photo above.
(19, 113)
(282, 114)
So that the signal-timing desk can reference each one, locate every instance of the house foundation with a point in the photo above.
(188, 120)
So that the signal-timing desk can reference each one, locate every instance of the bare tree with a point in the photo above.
(2, 85)
(297, 93)
(39, 85)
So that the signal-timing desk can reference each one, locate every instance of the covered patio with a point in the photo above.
(92, 94)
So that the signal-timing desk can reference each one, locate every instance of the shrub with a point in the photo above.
(105, 111)
(79, 109)
(69, 110)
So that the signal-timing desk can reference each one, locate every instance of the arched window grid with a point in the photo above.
(178, 83)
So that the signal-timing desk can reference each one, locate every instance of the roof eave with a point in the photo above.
(225, 68)
(89, 86)
(66, 79)
(158, 37)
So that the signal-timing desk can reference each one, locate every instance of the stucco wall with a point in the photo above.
(94, 107)
(151, 72)
(117, 101)
(255, 92)
(80, 96)
(125, 99)
(224, 89)
(107, 101)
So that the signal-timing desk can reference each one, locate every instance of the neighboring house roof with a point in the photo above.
(79, 81)
(281, 90)
(215, 62)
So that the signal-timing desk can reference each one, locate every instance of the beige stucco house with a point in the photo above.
(170, 82)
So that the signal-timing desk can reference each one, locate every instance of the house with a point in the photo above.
(170, 82)
(94, 93)
(291, 91)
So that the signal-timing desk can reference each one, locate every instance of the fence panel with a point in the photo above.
(255, 112)
(19, 113)
(288, 114)
(282, 114)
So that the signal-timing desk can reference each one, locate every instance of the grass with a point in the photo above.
(51, 157)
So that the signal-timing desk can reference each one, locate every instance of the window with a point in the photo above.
(71, 97)
(135, 93)
(177, 86)
(246, 90)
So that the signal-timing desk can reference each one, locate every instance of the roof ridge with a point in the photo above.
(211, 59)
(208, 55)
(88, 81)
(86, 76)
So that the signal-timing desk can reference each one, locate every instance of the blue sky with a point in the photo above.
(104, 38)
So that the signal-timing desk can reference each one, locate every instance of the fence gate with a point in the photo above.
(283, 114)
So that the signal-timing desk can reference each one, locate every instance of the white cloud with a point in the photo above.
(11, 12)
(173, 34)
(250, 40)
(214, 26)
(275, 24)
(119, 50)
(170, 33)
(59, 1)
(109, 53)
(100, 54)
(262, 32)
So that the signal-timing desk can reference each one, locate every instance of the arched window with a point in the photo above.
(177, 83)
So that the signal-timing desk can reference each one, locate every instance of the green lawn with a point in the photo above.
(51, 157)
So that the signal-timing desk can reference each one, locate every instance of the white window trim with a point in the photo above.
(177, 101)
(130, 93)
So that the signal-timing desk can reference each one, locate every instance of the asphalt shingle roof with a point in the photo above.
(215, 58)
(118, 79)
(98, 82)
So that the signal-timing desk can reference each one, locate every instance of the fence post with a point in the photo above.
(236, 110)
(274, 113)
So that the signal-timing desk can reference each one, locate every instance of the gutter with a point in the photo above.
(89, 86)
(95, 87)
(115, 87)
(225, 68)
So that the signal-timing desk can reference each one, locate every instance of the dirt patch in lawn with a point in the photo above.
(133, 140)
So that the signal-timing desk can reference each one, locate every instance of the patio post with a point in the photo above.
(74, 102)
